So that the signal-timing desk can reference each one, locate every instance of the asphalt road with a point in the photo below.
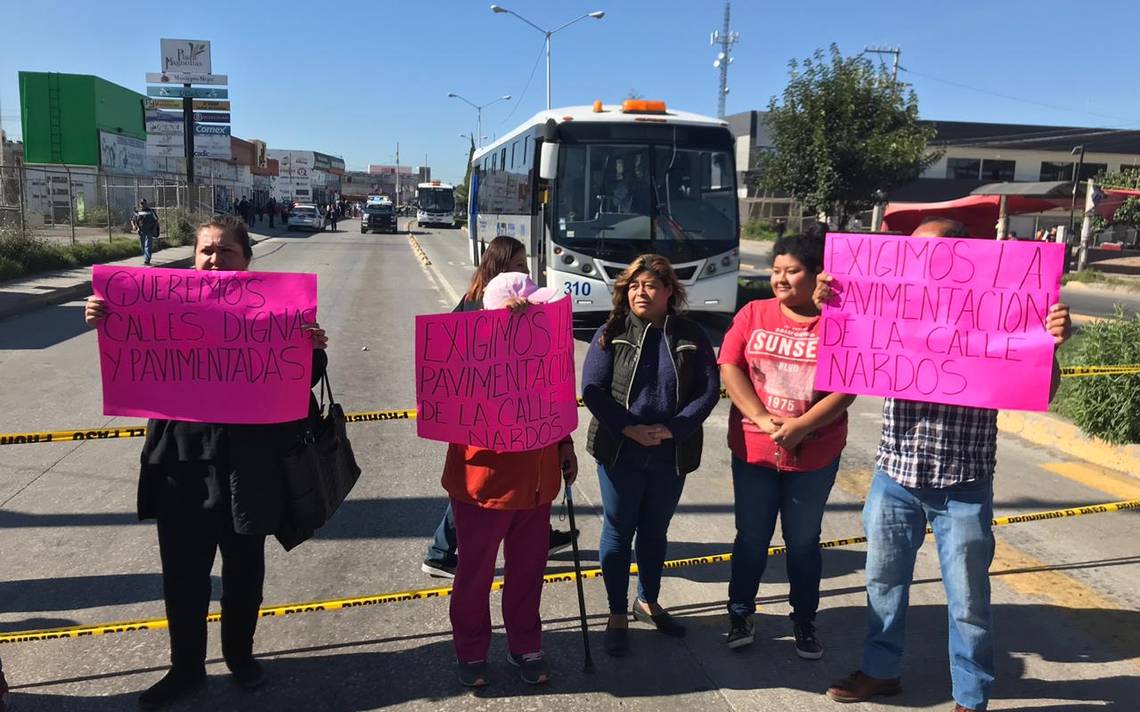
(1066, 592)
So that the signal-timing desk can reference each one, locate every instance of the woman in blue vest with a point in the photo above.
(650, 380)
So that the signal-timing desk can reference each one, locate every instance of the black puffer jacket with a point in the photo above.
(244, 459)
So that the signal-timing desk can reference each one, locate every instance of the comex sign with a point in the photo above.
(186, 56)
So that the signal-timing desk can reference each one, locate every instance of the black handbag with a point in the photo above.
(320, 470)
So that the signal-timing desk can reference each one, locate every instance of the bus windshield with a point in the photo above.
(616, 201)
(437, 200)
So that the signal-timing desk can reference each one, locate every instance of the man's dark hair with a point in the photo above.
(950, 226)
(807, 249)
(235, 228)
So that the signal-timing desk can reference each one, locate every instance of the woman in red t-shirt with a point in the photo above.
(785, 439)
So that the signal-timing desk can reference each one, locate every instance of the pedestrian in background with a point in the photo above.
(502, 498)
(212, 486)
(785, 438)
(332, 214)
(650, 381)
(145, 223)
(271, 209)
(935, 466)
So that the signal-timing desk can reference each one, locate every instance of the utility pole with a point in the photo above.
(895, 51)
(397, 174)
(725, 38)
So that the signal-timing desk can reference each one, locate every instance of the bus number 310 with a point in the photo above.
(577, 289)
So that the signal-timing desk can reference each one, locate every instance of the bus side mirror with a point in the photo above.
(548, 163)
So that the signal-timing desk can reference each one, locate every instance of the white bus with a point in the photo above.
(589, 188)
(435, 204)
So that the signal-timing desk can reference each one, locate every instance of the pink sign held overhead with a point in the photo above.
(940, 320)
(495, 379)
(211, 347)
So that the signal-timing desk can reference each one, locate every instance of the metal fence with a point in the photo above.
(79, 204)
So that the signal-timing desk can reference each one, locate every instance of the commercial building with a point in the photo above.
(82, 120)
(306, 176)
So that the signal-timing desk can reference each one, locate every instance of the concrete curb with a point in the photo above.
(1051, 431)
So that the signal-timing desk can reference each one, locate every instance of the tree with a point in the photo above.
(463, 190)
(843, 130)
(1128, 214)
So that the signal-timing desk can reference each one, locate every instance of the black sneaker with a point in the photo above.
(174, 686)
(740, 633)
(439, 568)
(532, 667)
(473, 674)
(808, 646)
(561, 541)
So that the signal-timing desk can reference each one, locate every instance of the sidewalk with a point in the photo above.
(20, 296)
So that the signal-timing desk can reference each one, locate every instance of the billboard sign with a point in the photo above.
(187, 78)
(212, 117)
(191, 56)
(170, 91)
(122, 154)
(207, 130)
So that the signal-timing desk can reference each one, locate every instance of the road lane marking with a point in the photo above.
(1098, 478)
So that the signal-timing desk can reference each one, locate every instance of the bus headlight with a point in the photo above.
(725, 261)
(711, 268)
(567, 259)
(587, 268)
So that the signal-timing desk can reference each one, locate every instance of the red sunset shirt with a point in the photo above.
(779, 355)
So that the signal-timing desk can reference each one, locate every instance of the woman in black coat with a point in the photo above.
(211, 487)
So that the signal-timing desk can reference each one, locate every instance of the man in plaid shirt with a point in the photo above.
(935, 465)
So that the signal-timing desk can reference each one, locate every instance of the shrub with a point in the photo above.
(1107, 407)
(98, 216)
(179, 226)
(757, 229)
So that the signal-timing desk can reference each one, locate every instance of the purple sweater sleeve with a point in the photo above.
(597, 377)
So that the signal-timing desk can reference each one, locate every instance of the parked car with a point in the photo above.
(377, 217)
(306, 216)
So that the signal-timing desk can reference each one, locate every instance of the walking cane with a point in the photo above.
(588, 666)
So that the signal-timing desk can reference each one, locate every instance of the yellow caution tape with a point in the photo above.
(1080, 371)
(138, 431)
(337, 604)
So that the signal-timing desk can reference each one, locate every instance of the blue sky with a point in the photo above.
(354, 83)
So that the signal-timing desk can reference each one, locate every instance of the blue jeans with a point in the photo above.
(639, 495)
(146, 244)
(799, 498)
(444, 541)
(894, 519)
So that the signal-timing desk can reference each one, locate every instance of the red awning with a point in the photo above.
(979, 213)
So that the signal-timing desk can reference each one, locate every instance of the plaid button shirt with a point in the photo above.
(933, 445)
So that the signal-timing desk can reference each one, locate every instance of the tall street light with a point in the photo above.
(479, 109)
(597, 15)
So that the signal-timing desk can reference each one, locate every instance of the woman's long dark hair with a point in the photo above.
(496, 259)
(660, 268)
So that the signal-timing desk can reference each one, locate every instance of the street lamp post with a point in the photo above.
(1080, 152)
(479, 110)
(597, 15)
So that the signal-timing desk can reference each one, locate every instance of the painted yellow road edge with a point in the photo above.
(1052, 432)
(28, 636)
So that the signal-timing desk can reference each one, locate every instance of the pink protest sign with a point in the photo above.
(497, 380)
(212, 347)
(940, 320)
